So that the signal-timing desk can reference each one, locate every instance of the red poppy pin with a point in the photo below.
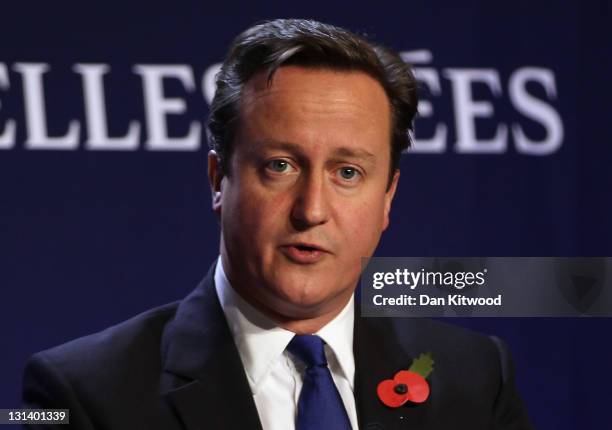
(407, 385)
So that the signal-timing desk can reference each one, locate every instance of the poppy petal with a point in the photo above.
(388, 395)
(418, 388)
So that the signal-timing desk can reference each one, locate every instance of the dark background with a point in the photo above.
(90, 238)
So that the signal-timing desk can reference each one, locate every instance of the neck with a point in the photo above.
(296, 319)
(309, 325)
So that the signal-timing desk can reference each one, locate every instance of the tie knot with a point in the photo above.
(309, 349)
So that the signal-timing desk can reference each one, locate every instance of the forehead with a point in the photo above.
(316, 105)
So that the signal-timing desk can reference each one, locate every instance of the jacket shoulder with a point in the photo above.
(140, 335)
(113, 365)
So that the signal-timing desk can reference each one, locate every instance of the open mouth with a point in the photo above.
(303, 253)
(306, 248)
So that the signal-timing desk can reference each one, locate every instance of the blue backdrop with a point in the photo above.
(104, 202)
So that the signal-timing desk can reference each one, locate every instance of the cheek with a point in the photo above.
(364, 224)
(254, 214)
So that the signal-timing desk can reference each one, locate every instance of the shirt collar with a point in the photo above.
(338, 335)
(261, 342)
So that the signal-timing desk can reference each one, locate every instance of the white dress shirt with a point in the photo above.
(274, 375)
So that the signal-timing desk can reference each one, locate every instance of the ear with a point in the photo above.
(389, 194)
(215, 175)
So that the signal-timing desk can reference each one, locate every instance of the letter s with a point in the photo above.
(536, 110)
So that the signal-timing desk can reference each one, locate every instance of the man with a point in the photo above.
(306, 129)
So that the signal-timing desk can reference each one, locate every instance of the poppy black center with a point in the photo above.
(401, 388)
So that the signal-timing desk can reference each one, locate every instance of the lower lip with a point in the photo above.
(301, 256)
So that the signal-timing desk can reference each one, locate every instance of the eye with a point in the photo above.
(349, 173)
(279, 165)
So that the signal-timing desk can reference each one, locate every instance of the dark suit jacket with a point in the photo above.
(176, 367)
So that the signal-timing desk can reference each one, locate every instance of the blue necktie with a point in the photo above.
(320, 406)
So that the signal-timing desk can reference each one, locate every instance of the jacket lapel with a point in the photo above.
(382, 347)
(204, 380)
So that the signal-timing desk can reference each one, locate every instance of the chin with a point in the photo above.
(306, 294)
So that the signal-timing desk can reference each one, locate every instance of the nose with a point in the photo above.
(311, 205)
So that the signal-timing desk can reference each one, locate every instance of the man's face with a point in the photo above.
(306, 196)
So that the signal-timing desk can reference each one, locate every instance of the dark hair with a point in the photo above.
(272, 44)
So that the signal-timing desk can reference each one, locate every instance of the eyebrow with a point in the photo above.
(353, 152)
(342, 151)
